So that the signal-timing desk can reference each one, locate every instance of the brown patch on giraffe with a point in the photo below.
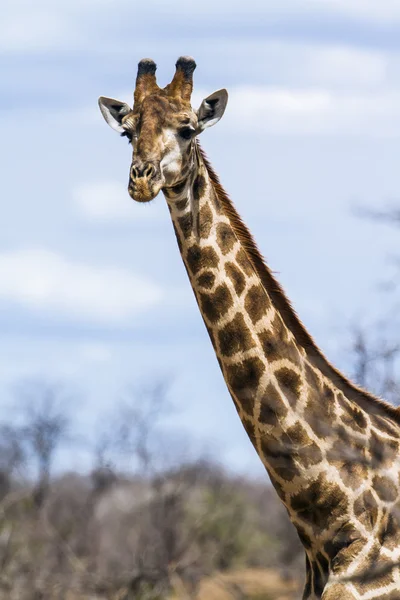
(320, 410)
(328, 396)
(186, 224)
(346, 438)
(235, 337)
(349, 456)
(278, 488)
(304, 537)
(206, 280)
(205, 217)
(320, 427)
(290, 384)
(385, 425)
(250, 430)
(273, 350)
(243, 261)
(341, 540)
(279, 456)
(272, 409)
(174, 191)
(320, 503)
(201, 258)
(269, 345)
(199, 187)
(226, 239)
(305, 450)
(292, 452)
(311, 377)
(320, 578)
(215, 305)
(346, 555)
(390, 535)
(323, 562)
(366, 510)
(236, 276)
(352, 415)
(383, 451)
(184, 174)
(374, 572)
(307, 592)
(353, 474)
(256, 303)
(385, 488)
(279, 330)
(381, 532)
(295, 449)
(181, 204)
(243, 379)
(292, 352)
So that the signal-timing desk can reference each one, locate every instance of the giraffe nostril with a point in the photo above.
(149, 171)
(138, 170)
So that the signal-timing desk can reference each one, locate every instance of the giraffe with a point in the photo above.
(330, 448)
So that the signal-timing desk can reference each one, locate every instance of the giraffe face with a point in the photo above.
(162, 133)
(162, 127)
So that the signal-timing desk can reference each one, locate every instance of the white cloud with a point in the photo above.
(96, 352)
(300, 63)
(34, 30)
(382, 11)
(75, 24)
(42, 280)
(334, 66)
(317, 112)
(106, 200)
(109, 201)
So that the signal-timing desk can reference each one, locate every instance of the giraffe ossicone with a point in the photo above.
(331, 449)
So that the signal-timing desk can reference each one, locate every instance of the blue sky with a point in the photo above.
(92, 288)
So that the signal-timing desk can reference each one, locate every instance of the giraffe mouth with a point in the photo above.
(141, 190)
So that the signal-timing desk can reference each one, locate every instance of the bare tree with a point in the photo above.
(12, 456)
(376, 346)
(374, 355)
(134, 434)
(44, 423)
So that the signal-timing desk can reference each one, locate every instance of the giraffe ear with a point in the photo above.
(211, 109)
(113, 112)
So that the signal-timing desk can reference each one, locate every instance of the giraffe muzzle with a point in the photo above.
(145, 181)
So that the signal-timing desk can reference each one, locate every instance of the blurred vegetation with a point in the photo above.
(160, 528)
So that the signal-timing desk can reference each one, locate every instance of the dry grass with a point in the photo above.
(249, 584)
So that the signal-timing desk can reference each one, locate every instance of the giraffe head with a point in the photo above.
(162, 127)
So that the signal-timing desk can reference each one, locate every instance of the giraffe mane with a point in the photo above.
(282, 303)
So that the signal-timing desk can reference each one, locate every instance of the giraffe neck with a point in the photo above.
(315, 432)
(262, 363)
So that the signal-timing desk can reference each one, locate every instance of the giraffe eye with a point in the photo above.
(187, 132)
